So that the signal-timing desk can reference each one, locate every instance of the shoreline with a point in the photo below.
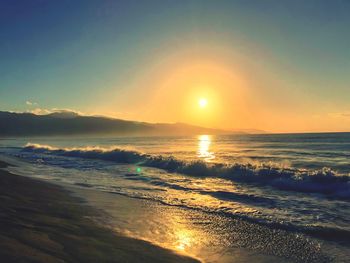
(179, 231)
(43, 222)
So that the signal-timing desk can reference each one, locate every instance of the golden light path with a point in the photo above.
(184, 239)
(204, 142)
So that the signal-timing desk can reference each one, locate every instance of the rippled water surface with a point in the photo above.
(297, 183)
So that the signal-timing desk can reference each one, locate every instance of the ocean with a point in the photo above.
(295, 183)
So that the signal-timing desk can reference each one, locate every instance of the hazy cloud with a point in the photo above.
(30, 103)
(39, 111)
(345, 114)
(66, 110)
(42, 111)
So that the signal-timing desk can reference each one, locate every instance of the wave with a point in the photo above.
(325, 181)
(332, 233)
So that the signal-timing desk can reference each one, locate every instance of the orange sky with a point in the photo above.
(240, 95)
(278, 67)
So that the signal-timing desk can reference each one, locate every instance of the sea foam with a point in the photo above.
(325, 181)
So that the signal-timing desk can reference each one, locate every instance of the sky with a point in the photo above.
(274, 65)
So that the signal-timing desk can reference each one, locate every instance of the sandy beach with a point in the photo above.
(42, 222)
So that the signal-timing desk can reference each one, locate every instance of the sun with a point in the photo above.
(202, 102)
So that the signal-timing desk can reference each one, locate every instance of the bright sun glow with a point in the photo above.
(202, 102)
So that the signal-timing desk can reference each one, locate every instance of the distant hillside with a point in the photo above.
(69, 123)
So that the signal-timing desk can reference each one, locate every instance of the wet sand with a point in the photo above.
(58, 221)
(43, 222)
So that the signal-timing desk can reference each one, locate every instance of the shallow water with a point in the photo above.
(279, 181)
(208, 237)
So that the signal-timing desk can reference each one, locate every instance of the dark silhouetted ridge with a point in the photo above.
(71, 123)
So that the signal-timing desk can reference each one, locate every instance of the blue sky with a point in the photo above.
(95, 56)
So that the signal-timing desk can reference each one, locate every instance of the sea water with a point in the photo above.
(298, 183)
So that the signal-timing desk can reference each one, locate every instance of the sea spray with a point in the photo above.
(324, 180)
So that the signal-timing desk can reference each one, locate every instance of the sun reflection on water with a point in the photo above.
(184, 240)
(204, 142)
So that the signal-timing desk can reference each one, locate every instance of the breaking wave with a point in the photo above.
(325, 181)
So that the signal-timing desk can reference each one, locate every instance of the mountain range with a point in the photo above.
(64, 123)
